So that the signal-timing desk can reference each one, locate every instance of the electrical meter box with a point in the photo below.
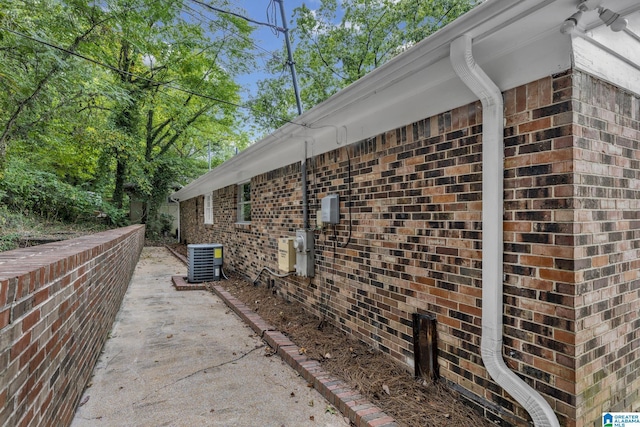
(331, 209)
(286, 254)
(305, 253)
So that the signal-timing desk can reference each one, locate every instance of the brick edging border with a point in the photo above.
(177, 255)
(181, 284)
(350, 403)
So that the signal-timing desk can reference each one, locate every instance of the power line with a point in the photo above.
(152, 81)
(237, 15)
(238, 35)
(271, 17)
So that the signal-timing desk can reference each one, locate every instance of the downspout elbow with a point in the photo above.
(487, 91)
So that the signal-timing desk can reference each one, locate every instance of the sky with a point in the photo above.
(267, 41)
(264, 36)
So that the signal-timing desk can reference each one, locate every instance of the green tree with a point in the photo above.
(116, 91)
(40, 84)
(341, 41)
(177, 91)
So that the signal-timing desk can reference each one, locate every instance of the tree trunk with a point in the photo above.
(118, 191)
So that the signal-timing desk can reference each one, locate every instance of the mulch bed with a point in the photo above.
(387, 384)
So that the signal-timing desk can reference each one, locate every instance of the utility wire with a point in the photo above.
(237, 15)
(264, 54)
(272, 18)
(152, 81)
(238, 35)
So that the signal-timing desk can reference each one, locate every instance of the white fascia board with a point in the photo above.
(516, 42)
(611, 56)
(486, 18)
(606, 64)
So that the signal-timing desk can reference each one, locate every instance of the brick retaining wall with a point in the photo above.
(57, 304)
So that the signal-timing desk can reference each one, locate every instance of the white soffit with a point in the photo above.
(516, 42)
(611, 56)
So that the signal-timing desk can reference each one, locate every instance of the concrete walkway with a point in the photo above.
(185, 359)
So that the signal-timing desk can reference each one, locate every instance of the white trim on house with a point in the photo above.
(242, 203)
(208, 208)
(515, 42)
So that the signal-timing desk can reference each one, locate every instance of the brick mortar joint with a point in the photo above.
(119, 238)
(119, 267)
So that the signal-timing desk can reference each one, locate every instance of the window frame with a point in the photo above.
(242, 204)
(208, 208)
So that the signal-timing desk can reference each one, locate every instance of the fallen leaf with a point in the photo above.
(447, 415)
(312, 418)
(386, 389)
(330, 409)
(83, 401)
(327, 356)
(302, 350)
(170, 336)
(311, 403)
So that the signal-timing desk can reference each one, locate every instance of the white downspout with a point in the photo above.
(492, 237)
(178, 233)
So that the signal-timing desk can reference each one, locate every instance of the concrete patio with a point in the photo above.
(185, 359)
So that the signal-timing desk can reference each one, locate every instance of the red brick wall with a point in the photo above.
(607, 249)
(415, 241)
(57, 304)
(539, 211)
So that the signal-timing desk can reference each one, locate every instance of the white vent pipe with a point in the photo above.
(492, 237)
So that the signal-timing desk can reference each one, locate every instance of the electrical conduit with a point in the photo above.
(492, 236)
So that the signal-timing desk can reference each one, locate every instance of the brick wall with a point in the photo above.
(57, 304)
(607, 249)
(415, 233)
(539, 210)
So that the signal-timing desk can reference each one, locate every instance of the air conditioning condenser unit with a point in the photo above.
(205, 262)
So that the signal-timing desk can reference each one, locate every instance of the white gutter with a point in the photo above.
(492, 236)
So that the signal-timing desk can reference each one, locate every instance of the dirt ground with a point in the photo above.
(384, 382)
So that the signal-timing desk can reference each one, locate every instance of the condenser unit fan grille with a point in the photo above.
(203, 262)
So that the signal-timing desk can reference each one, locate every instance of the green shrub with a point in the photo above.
(42, 193)
(9, 241)
(160, 226)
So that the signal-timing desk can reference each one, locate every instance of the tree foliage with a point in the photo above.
(341, 41)
(30, 190)
(101, 94)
